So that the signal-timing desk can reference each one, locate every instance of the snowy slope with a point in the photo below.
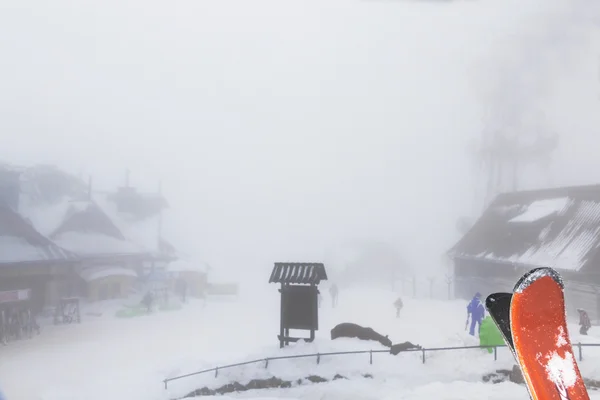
(128, 359)
(439, 52)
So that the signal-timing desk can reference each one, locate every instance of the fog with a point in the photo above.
(282, 130)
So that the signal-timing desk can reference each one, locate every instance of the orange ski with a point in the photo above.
(541, 339)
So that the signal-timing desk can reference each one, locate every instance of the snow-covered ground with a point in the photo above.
(127, 359)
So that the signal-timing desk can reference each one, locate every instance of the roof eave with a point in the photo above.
(506, 262)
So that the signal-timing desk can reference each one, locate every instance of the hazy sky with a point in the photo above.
(280, 128)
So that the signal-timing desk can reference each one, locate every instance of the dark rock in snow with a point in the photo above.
(315, 379)
(254, 384)
(351, 330)
(397, 348)
(515, 375)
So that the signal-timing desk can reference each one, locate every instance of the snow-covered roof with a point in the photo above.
(558, 228)
(46, 218)
(95, 273)
(142, 232)
(113, 232)
(542, 209)
(93, 244)
(20, 242)
(87, 230)
(292, 272)
(17, 249)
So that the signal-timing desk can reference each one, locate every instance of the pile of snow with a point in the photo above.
(442, 366)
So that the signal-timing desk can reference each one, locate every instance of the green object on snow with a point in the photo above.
(489, 334)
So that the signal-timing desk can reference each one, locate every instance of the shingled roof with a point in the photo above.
(295, 273)
(21, 243)
(557, 227)
(87, 230)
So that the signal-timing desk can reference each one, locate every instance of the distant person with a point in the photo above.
(148, 300)
(333, 291)
(584, 321)
(475, 311)
(184, 288)
(398, 304)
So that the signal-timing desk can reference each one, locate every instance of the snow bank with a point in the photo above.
(467, 365)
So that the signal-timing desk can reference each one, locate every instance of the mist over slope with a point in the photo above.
(282, 129)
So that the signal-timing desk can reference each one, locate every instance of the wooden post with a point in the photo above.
(414, 281)
(281, 328)
(449, 283)
(431, 281)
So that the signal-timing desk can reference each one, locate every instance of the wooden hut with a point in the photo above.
(557, 227)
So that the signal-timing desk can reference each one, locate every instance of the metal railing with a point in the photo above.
(423, 351)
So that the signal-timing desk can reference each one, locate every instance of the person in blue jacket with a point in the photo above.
(476, 311)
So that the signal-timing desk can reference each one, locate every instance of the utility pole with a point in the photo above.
(89, 192)
(160, 215)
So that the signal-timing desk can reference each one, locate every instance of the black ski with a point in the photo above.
(498, 305)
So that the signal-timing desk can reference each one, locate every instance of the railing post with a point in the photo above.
(318, 358)
(371, 357)
(216, 372)
(580, 352)
(495, 353)
(266, 363)
(423, 350)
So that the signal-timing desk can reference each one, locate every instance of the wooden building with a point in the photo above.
(29, 260)
(105, 283)
(188, 277)
(110, 262)
(558, 228)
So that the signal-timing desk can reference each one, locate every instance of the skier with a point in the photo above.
(489, 334)
(398, 304)
(333, 291)
(148, 300)
(584, 321)
(476, 311)
(184, 290)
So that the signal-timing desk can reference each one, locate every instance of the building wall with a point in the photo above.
(487, 277)
(196, 283)
(47, 282)
(112, 287)
(471, 276)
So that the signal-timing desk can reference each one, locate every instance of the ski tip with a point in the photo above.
(494, 299)
(535, 274)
